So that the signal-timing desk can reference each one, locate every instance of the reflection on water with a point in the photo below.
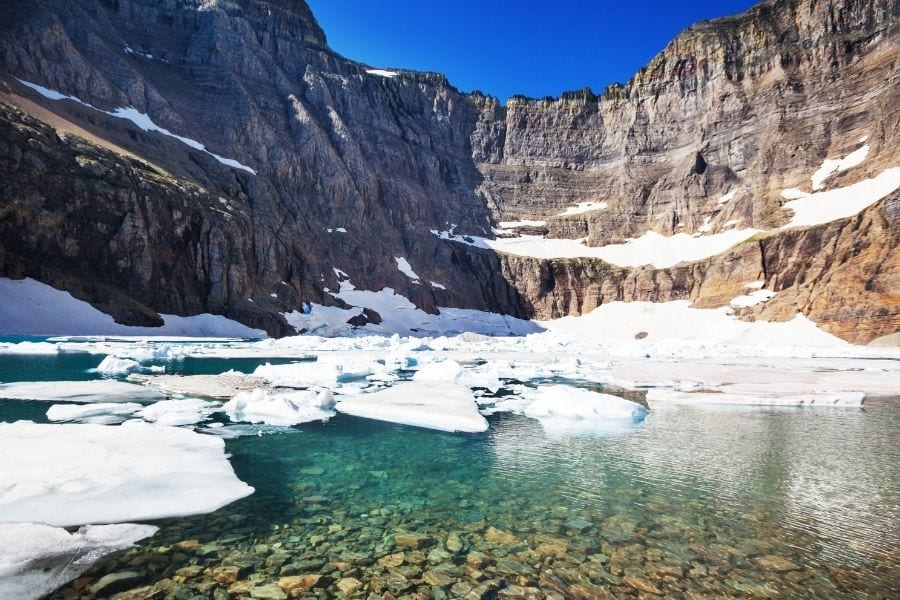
(692, 503)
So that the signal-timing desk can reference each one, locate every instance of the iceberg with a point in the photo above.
(448, 407)
(113, 365)
(75, 474)
(174, 413)
(284, 410)
(562, 402)
(102, 413)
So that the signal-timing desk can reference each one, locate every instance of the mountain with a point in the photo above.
(189, 156)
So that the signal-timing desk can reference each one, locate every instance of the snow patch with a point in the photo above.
(404, 267)
(726, 198)
(753, 298)
(29, 307)
(583, 207)
(823, 207)
(831, 166)
(140, 119)
(382, 73)
(521, 223)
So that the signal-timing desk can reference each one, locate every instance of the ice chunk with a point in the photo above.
(553, 402)
(178, 412)
(76, 474)
(113, 365)
(446, 407)
(325, 372)
(87, 412)
(79, 391)
(450, 371)
(284, 410)
(669, 396)
(36, 558)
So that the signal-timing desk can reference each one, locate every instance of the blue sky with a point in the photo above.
(532, 47)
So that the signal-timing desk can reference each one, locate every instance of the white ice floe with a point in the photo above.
(449, 371)
(35, 558)
(831, 166)
(44, 348)
(75, 474)
(823, 399)
(82, 392)
(753, 298)
(113, 365)
(327, 371)
(29, 307)
(566, 403)
(101, 413)
(822, 207)
(382, 73)
(583, 207)
(649, 249)
(280, 409)
(176, 413)
(404, 267)
(445, 408)
(140, 119)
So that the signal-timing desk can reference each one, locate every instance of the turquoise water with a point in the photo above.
(693, 503)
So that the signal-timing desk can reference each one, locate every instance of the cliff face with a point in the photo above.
(284, 144)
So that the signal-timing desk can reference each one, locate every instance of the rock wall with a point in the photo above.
(139, 223)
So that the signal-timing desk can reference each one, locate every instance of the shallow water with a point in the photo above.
(712, 502)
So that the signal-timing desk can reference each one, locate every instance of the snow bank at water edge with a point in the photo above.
(29, 307)
(656, 397)
(445, 408)
(37, 558)
(75, 474)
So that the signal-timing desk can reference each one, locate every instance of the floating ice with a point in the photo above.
(555, 402)
(176, 413)
(79, 391)
(445, 408)
(450, 371)
(113, 365)
(35, 558)
(74, 474)
(280, 409)
(44, 348)
(89, 413)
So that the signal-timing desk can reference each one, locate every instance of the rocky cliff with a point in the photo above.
(217, 156)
